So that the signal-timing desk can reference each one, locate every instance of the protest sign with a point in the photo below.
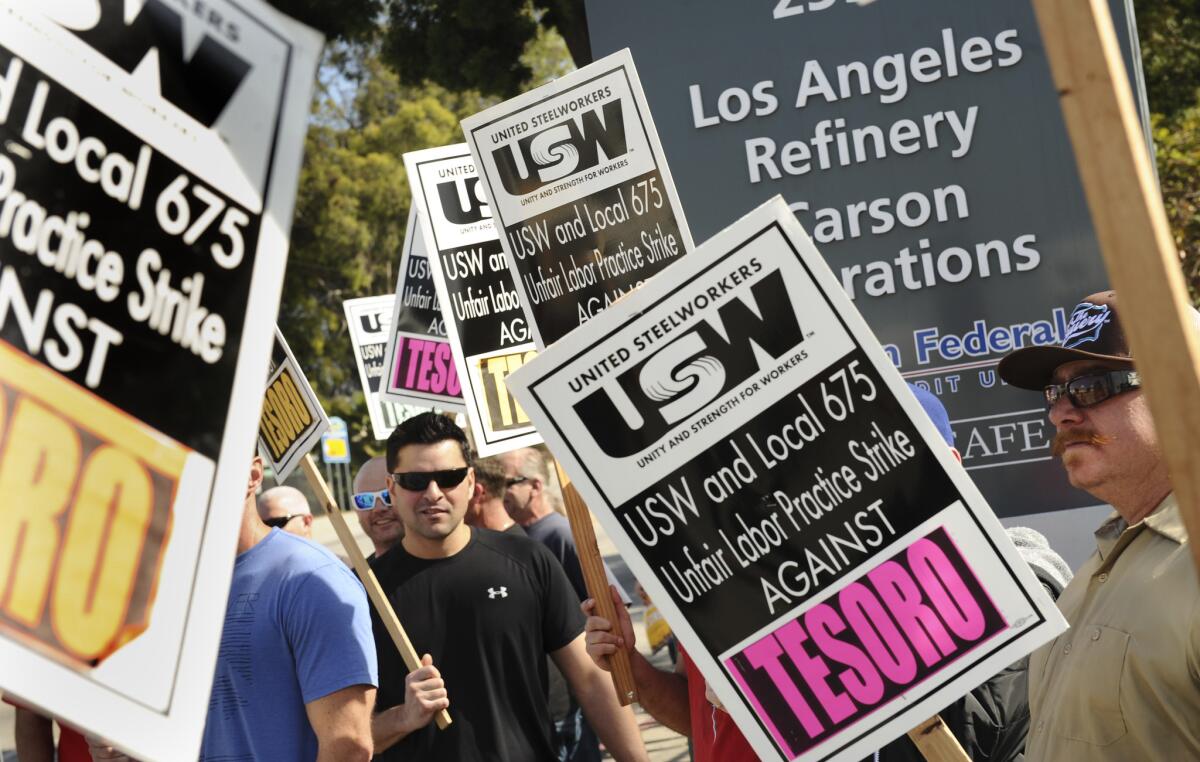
(784, 499)
(335, 443)
(146, 199)
(484, 320)
(368, 321)
(923, 150)
(292, 419)
(581, 191)
(421, 370)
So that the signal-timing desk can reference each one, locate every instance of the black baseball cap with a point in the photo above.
(1093, 333)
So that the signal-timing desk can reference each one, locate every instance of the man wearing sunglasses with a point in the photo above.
(485, 608)
(296, 671)
(486, 508)
(286, 508)
(536, 504)
(373, 506)
(1123, 682)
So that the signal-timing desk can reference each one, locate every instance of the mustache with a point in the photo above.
(1074, 436)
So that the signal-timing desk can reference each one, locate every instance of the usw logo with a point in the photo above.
(717, 355)
(581, 142)
(201, 86)
(463, 201)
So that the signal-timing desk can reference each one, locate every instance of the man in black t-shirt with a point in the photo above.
(485, 608)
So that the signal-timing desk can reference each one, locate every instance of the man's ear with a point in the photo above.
(477, 493)
(308, 519)
(256, 476)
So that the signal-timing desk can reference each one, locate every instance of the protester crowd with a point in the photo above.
(482, 570)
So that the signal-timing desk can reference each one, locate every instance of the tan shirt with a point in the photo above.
(1123, 683)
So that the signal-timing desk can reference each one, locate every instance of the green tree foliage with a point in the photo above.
(1169, 33)
(351, 210)
(477, 44)
(338, 20)
(353, 202)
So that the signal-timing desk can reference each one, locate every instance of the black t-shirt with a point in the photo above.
(488, 615)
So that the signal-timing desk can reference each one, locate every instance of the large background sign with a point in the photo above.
(486, 326)
(422, 370)
(368, 320)
(772, 482)
(923, 148)
(146, 196)
(292, 418)
(581, 189)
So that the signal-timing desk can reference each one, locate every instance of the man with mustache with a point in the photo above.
(1123, 682)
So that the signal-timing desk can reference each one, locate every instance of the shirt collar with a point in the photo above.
(1164, 520)
(1167, 521)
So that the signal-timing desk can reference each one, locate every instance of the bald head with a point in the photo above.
(286, 508)
(372, 475)
(379, 524)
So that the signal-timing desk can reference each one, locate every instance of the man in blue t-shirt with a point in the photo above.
(296, 673)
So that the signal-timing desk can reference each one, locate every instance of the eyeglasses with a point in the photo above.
(279, 522)
(418, 481)
(365, 501)
(515, 481)
(1092, 388)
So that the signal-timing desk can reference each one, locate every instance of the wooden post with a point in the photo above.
(384, 607)
(1131, 225)
(936, 743)
(597, 582)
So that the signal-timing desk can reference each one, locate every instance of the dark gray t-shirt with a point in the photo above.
(554, 531)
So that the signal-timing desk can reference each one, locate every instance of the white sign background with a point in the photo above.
(443, 235)
(374, 311)
(303, 444)
(150, 697)
(616, 75)
(549, 387)
(415, 250)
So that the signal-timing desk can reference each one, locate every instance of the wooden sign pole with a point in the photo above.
(1131, 225)
(936, 743)
(597, 582)
(382, 605)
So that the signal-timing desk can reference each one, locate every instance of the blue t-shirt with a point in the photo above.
(297, 628)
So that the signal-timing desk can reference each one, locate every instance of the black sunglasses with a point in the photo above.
(418, 481)
(515, 481)
(1092, 388)
(279, 522)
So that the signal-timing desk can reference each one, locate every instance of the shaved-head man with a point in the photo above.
(286, 508)
(373, 506)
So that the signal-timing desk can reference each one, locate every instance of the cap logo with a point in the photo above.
(1086, 323)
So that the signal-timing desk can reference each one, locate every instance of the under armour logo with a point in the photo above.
(497, 592)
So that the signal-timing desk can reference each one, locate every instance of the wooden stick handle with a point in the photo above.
(936, 743)
(1132, 229)
(374, 591)
(597, 582)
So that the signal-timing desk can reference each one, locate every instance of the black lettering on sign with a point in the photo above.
(463, 202)
(682, 376)
(201, 86)
(502, 409)
(285, 416)
(570, 146)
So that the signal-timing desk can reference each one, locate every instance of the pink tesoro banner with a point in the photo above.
(907, 619)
